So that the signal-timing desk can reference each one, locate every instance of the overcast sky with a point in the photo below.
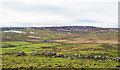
(38, 13)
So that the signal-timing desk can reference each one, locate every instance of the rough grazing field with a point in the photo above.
(60, 49)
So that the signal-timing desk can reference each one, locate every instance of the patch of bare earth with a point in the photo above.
(108, 41)
(82, 40)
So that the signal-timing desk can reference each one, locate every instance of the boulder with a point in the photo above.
(21, 53)
(10, 53)
(34, 54)
(49, 54)
(83, 56)
(90, 56)
(116, 59)
(65, 55)
(31, 50)
(22, 67)
(41, 53)
(76, 55)
(59, 55)
(31, 67)
(100, 58)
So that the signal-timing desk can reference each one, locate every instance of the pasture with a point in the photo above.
(73, 49)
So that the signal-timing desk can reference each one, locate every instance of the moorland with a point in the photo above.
(60, 47)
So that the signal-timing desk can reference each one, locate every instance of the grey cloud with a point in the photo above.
(70, 12)
(27, 8)
(88, 21)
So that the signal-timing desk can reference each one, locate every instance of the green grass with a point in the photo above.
(60, 47)
(39, 62)
(11, 61)
(74, 48)
(39, 45)
(15, 43)
(111, 45)
(27, 48)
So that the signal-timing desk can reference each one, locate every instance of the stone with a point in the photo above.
(75, 55)
(21, 53)
(59, 55)
(34, 54)
(65, 55)
(100, 58)
(90, 56)
(118, 59)
(22, 67)
(83, 56)
(118, 66)
(31, 67)
(31, 50)
(49, 54)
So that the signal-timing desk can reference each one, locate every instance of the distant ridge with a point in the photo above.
(54, 27)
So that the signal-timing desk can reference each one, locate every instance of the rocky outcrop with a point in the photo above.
(53, 54)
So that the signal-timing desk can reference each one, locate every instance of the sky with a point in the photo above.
(45, 13)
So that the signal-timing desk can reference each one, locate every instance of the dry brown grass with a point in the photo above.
(84, 40)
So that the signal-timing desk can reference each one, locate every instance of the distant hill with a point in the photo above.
(54, 28)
